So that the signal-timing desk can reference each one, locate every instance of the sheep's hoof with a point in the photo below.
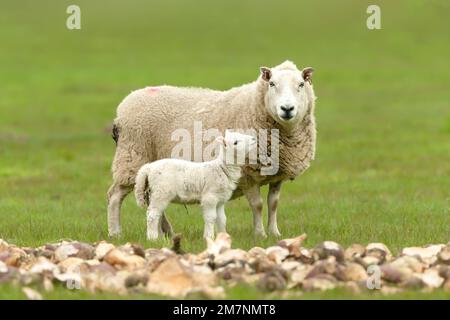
(275, 233)
(260, 234)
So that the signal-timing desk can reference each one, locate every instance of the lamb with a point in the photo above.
(282, 98)
(209, 183)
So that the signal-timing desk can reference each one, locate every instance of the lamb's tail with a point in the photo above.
(141, 188)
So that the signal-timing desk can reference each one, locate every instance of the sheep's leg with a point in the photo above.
(127, 161)
(221, 222)
(253, 196)
(272, 204)
(116, 194)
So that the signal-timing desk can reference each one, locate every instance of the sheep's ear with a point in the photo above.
(266, 74)
(307, 74)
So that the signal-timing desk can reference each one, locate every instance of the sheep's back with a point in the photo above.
(150, 116)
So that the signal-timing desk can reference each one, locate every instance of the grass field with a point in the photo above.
(382, 169)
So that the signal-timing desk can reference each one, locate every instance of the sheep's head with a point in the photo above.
(288, 92)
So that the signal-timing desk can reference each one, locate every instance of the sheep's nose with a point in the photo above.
(287, 108)
(287, 111)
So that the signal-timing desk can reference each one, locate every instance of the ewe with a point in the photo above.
(281, 98)
(209, 183)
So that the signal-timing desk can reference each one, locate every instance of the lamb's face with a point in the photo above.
(288, 93)
(235, 147)
(239, 143)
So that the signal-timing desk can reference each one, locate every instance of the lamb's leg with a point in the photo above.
(253, 196)
(154, 214)
(221, 221)
(209, 216)
(272, 204)
(116, 194)
(166, 226)
(129, 157)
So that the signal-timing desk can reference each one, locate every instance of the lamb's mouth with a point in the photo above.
(252, 145)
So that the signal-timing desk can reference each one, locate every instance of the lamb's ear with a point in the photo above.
(307, 74)
(221, 140)
(266, 74)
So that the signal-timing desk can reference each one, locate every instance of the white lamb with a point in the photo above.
(209, 183)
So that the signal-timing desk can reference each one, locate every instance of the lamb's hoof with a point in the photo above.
(152, 236)
(177, 244)
(168, 233)
(208, 237)
(114, 234)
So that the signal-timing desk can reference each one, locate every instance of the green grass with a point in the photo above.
(236, 293)
(382, 169)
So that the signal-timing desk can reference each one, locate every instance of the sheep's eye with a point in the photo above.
(301, 85)
(236, 142)
(272, 84)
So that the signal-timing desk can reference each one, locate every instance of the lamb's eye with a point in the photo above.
(236, 142)
(272, 84)
(301, 85)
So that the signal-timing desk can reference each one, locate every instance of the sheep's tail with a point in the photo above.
(115, 132)
(141, 188)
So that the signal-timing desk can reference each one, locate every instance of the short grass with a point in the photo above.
(382, 171)
(235, 293)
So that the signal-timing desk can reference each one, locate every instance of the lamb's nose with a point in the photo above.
(287, 108)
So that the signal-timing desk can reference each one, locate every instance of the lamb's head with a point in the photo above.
(235, 146)
(288, 92)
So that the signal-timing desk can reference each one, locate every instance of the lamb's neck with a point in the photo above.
(231, 170)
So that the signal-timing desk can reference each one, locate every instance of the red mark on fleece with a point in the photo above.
(152, 90)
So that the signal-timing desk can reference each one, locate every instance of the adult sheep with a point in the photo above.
(281, 98)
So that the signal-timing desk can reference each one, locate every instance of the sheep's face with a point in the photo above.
(288, 93)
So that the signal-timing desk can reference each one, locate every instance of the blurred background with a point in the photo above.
(382, 169)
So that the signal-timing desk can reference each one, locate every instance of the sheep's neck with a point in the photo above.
(296, 143)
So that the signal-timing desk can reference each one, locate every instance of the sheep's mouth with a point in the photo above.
(286, 118)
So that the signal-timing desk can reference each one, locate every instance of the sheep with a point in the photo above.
(282, 98)
(209, 183)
